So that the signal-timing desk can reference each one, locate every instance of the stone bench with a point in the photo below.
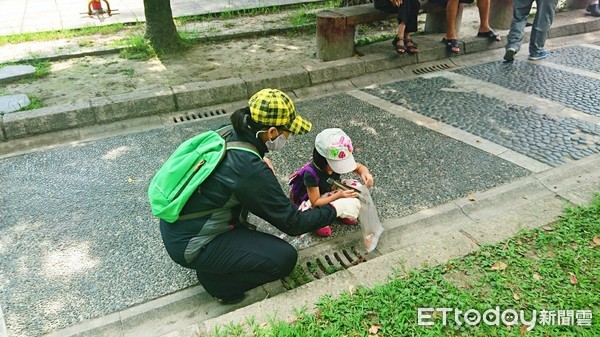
(336, 27)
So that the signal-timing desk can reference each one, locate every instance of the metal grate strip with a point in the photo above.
(430, 69)
(191, 116)
(321, 266)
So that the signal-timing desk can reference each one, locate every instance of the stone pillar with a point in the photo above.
(335, 40)
(436, 19)
(500, 14)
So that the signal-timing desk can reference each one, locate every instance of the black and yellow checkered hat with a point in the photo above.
(271, 107)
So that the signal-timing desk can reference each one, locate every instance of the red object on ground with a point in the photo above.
(96, 5)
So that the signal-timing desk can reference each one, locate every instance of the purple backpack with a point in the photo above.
(298, 192)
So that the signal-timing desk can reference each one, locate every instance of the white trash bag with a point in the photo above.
(367, 217)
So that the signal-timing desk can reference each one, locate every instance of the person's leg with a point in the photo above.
(541, 25)
(242, 259)
(483, 6)
(411, 13)
(521, 9)
(451, 12)
(450, 38)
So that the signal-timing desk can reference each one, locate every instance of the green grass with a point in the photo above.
(64, 33)
(551, 268)
(139, 48)
(36, 103)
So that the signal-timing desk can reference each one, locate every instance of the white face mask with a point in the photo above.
(274, 145)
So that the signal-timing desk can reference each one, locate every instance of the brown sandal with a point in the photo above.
(411, 47)
(400, 48)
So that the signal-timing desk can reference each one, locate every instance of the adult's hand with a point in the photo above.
(347, 207)
(396, 3)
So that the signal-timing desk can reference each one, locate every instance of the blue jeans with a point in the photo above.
(539, 30)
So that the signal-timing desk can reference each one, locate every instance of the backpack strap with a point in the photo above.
(233, 145)
(244, 146)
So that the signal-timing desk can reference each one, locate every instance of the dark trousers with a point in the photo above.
(407, 12)
(243, 259)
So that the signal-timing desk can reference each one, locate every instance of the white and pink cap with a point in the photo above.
(335, 145)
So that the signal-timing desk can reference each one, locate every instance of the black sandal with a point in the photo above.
(490, 35)
(411, 46)
(400, 48)
(452, 45)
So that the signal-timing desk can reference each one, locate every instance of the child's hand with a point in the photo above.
(346, 194)
(269, 164)
(367, 179)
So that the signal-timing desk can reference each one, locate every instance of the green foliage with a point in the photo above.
(36, 103)
(363, 41)
(551, 268)
(138, 48)
(42, 68)
(302, 16)
(64, 33)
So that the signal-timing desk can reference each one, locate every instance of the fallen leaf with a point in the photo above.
(516, 297)
(374, 329)
(547, 228)
(477, 141)
(596, 240)
(537, 276)
(524, 197)
(572, 278)
(523, 330)
(129, 180)
(470, 197)
(499, 266)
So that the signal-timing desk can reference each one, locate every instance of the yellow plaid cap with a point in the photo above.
(272, 107)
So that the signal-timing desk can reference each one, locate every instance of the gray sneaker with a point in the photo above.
(509, 56)
(541, 55)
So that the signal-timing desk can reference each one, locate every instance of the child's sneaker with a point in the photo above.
(324, 231)
(541, 55)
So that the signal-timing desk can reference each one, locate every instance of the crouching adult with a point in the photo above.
(229, 258)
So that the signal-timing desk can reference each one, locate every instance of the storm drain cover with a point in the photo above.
(430, 69)
(192, 116)
(315, 268)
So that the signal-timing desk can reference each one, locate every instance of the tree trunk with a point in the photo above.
(160, 28)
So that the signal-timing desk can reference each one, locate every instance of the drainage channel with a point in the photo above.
(432, 68)
(317, 267)
(196, 115)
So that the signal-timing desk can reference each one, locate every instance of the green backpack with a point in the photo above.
(183, 172)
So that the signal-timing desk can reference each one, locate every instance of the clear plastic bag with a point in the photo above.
(369, 220)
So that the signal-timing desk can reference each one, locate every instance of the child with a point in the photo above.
(332, 156)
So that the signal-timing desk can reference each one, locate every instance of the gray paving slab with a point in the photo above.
(14, 72)
(549, 139)
(98, 249)
(572, 90)
(12, 103)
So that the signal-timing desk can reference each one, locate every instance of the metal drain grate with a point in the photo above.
(191, 116)
(319, 267)
(430, 69)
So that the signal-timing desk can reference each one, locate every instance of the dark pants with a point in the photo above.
(407, 12)
(242, 259)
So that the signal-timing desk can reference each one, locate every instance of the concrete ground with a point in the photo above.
(465, 152)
